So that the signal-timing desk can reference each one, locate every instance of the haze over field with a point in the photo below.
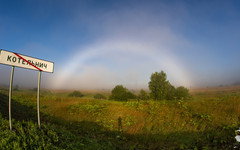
(99, 44)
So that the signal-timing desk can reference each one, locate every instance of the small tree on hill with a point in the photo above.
(121, 93)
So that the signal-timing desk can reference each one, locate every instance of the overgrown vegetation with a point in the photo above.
(26, 135)
(207, 122)
(161, 88)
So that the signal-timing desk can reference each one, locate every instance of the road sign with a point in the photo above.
(18, 60)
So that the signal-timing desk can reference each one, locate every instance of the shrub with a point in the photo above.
(182, 93)
(171, 92)
(130, 95)
(121, 93)
(143, 95)
(99, 96)
(76, 94)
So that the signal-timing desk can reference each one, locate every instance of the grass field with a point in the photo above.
(208, 121)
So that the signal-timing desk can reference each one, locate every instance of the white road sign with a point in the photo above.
(18, 60)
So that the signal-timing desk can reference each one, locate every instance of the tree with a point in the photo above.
(143, 95)
(182, 93)
(158, 85)
(121, 93)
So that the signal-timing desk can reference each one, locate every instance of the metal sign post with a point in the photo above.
(18, 60)
(10, 98)
(38, 101)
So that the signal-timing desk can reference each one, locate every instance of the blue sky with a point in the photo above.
(99, 44)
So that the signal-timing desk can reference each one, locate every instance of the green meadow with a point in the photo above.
(207, 121)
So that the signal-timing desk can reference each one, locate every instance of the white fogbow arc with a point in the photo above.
(116, 51)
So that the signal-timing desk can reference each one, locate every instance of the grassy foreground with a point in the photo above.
(206, 122)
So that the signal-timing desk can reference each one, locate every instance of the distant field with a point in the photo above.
(215, 90)
(208, 121)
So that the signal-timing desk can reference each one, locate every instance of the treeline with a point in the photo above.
(160, 89)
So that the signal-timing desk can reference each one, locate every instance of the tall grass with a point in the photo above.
(208, 121)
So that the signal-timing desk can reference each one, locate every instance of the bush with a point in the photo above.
(99, 96)
(121, 93)
(143, 95)
(171, 92)
(182, 93)
(76, 94)
(130, 95)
